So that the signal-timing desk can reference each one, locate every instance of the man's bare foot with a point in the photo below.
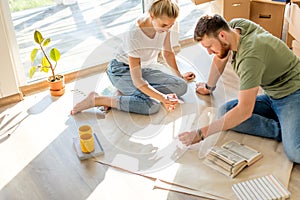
(86, 103)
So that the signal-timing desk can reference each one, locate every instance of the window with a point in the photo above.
(78, 27)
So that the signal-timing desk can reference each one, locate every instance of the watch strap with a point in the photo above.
(210, 88)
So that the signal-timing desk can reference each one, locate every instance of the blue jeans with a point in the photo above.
(278, 119)
(135, 101)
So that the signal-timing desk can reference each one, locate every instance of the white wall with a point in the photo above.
(10, 63)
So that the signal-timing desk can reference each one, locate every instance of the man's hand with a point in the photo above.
(201, 89)
(189, 137)
(188, 76)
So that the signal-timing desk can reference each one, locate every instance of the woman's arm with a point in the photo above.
(169, 56)
(141, 84)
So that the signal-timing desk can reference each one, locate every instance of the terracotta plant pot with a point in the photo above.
(57, 85)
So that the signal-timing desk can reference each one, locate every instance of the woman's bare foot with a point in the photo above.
(86, 103)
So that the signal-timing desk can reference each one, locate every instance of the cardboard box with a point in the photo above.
(296, 2)
(269, 15)
(296, 48)
(289, 40)
(294, 22)
(197, 2)
(230, 9)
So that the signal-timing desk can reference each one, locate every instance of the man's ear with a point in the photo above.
(222, 35)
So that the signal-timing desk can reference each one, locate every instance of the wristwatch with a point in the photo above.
(200, 134)
(210, 88)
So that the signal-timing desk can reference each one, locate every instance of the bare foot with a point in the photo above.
(86, 103)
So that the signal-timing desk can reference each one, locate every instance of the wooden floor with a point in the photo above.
(84, 29)
(38, 160)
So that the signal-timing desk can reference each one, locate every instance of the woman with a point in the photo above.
(135, 70)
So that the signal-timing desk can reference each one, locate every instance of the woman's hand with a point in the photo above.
(201, 89)
(188, 76)
(170, 101)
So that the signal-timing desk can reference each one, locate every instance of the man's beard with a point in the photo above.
(224, 51)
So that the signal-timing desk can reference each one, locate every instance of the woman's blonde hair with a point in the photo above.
(164, 7)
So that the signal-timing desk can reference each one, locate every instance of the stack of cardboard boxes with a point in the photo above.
(270, 14)
(267, 13)
(294, 26)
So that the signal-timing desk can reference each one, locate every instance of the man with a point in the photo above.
(260, 60)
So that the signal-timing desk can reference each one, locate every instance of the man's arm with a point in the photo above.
(240, 113)
(216, 70)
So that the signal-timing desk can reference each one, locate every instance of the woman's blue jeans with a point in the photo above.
(135, 101)
(278, 119)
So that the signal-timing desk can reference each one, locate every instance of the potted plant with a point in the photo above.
(48, 62)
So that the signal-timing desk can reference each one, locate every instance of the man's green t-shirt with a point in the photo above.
(264, 60)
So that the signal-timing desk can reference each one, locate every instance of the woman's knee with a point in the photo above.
(151, 108)
(181, 88)
(154, 109)
(145, 106)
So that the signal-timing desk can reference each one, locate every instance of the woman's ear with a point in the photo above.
(151, 15)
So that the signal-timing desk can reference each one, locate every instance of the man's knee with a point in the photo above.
(221, 111)
(293, 155)
(226, 107)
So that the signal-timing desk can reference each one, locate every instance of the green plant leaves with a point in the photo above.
(44, 69)
(45, 62)
(32, 71)
(55, 54)
(33, 54)
(46, 42)
(38, 38)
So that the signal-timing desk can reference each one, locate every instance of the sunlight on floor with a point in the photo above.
(25, 142)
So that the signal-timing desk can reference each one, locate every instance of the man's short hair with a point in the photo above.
(210, 25)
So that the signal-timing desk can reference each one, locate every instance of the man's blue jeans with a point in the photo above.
(274, 118)
(133, 100)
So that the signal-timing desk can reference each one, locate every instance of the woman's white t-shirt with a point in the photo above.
(138, 45)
